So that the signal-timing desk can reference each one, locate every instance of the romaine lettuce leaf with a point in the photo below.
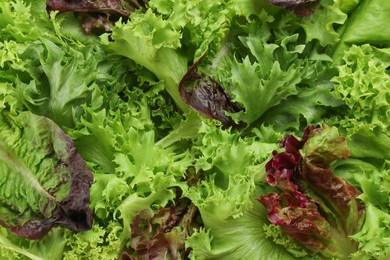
(45, 181)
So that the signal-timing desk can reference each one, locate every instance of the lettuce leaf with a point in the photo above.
(39, 156)
(251, 240)
(301, 8)
(373, 180)
(366, 25)
(362, 84)
(226, 197)
(315, 207)
(118, 98)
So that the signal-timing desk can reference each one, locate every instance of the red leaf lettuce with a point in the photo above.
(315, 207)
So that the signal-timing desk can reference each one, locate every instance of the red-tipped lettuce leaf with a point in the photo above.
(161, 235)
(316, 208)
(45, 182)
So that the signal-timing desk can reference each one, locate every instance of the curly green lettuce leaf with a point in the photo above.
(16, 17)
(56, 71)
(152, 42)
(101, 242)
(321, 25)
(310, 105)
(272, 66)
(39, 156)
(131, 172)
(204, 24)
(225, 198)
(363, 85)
(171, 34)
(263, 74)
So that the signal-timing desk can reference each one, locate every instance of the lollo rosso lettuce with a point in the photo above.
(45, 182)
(315, 207)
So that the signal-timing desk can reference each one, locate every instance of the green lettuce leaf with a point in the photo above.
(117, 97)
(274, 71)
(226, 197)
(374, 181)
(45, 181)
(253, 239)
(321, 25)
(362, 84)
(151, 42)
(366, 25)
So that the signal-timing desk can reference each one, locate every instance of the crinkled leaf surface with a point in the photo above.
(44, 180)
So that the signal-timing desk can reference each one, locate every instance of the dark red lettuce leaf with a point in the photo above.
(97, 13)
(298, 7)
(207, 96)
(299, 218)
(315, 207)
(162, 235)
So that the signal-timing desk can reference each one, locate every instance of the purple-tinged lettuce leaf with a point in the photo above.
(96, 14)
(226, 197)
(298, 7)
(299, 217)
(317, 208)
(45, 182)
(161, 235)
(373, 237)
(206, 96)
(254, 237)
